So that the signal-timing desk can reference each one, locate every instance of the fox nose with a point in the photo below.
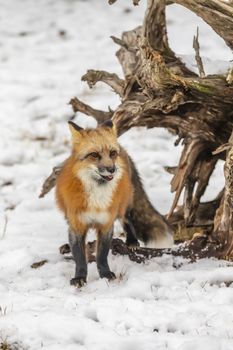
(111, 169)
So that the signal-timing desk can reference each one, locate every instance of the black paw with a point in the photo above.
(108, 274)
(78, 282)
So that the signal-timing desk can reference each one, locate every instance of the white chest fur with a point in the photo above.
(99, 196)
(94, 217)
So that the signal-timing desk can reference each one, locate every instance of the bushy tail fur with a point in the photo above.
(150, 226)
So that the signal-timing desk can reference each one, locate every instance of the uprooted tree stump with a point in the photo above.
(158, 90)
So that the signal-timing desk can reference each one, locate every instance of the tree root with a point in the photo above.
(198, 248)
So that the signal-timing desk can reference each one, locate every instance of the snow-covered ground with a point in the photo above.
(45, 47)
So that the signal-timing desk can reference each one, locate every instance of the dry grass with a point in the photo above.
(5, 345)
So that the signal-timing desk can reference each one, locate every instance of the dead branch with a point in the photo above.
(218, 14)
(49, 183)
(135, 2)
(93, 76)
(120, 42)
(196, 47)
(170, 169)
(79, 106)
(204, 216)
(38, 264)
(196, 249)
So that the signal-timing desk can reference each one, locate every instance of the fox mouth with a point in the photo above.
(104, 177)
(107, 178)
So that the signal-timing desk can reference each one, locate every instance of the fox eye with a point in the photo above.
(113, 153)
(94, 155)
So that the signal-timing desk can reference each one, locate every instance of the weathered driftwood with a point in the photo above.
(217, 13)
(159, 91)
(223, 223)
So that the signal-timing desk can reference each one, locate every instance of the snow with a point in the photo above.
(166, 303)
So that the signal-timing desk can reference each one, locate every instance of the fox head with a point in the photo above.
(96, 152)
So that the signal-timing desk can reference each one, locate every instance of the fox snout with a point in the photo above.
(107, 169)
(107, 172)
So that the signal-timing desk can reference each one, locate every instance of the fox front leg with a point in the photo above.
(77, 245)
(103, 246)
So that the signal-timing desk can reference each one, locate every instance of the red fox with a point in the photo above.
(93, 189)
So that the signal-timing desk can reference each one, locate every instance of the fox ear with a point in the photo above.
(109, 124)
(74, 129)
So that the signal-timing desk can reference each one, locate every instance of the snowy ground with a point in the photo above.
(45, 47)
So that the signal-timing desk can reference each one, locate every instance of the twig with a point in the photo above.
(170, 169)
(222, 148)
(135, 2)
(198, 58)
(38, 264)
(90, 249)
(5, 226)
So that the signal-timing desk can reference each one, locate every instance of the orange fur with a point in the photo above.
(71, 193)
